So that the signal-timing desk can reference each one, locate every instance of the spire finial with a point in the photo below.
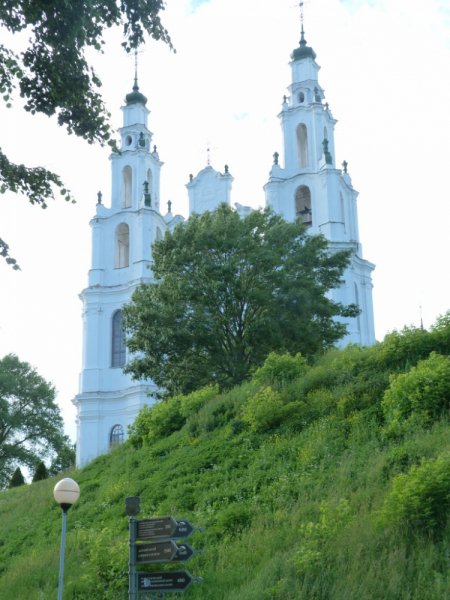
(303, 51)
(135, 86)
(302, 37)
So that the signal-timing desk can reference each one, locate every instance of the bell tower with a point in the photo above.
(122, 238)
(311, 188)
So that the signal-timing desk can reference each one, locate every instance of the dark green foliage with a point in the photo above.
(420, 499)
(40, 473)
(65, 457)
(420, 396)
(55, 78)
(17, 479)
(316, 504)
(229, 291)
(30, 422)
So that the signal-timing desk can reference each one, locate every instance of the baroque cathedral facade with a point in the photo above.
(308, 186)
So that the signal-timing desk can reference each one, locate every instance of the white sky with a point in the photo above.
(385, 70)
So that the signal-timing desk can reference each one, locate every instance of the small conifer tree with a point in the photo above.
(17, 479)
(40, 473)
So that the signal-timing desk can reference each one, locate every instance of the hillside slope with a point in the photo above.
(322, 482)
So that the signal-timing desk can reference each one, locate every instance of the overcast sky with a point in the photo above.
(386, 75)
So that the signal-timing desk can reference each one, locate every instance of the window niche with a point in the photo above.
(303, 208)
(118, 353)
(358, 318)
(341, 200)
(127, 187)
(117, 436)
(122, 250)
(302, 146)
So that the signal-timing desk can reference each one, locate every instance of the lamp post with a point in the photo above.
(66, 493)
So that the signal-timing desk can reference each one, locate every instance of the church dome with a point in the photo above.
(135, 97)
(303, 51)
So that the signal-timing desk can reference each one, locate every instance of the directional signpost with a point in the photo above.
(165, 581)
(160, 533)
(164, 527)
(157, 552)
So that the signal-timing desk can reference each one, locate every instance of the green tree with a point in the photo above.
(30, 421)
(65, 458)
(229, 291)
(40, 473)
(55, 78)
(17, 479)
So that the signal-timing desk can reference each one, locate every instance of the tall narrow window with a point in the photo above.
(358, 318)
(302, 146)
(118, 341)
(117, 436)
(127, 186)
(158, 234)
(303, 205)
(342, 209)
(325, 133)
(122, 251)
(150, 181)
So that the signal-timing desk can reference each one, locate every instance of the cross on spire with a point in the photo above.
(136, 52)
(208, 152)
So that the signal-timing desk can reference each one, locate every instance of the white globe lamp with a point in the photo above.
(66, 493)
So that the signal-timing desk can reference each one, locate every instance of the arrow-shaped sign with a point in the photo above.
(165, 581)
(157, 552)
(164, 528)
(164, 552)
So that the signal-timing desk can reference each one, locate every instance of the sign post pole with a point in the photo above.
(132, 569)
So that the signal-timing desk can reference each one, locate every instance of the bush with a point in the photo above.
(420, 499)
(265, 410)
(278, 369)
(234, 518)
(157, 421)
(425, 391)
(17, 479)
(40, 473)
(193, 402)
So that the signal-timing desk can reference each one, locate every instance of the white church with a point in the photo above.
(308, 186)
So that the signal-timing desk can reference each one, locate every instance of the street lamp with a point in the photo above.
(66, 493)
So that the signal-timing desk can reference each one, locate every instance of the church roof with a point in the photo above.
(303, 51)
(135, 97)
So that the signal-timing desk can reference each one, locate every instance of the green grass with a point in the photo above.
(292, 504)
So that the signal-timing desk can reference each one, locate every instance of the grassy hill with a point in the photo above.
(328, 481)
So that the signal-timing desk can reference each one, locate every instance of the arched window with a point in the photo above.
(119, 351)
(325, 133)
(127, 187)
(158, 234)
(116, 436)
(122, 251)
(303, 205)
(302, 146)
(358, 318)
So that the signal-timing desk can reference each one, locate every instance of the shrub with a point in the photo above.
(234, 518)
(425, 390)
(193, 402)
(420, 499)
(17, 479)
(280, 368)
(40, 473)
(157, 421)
(440, 332)
(265, 410)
